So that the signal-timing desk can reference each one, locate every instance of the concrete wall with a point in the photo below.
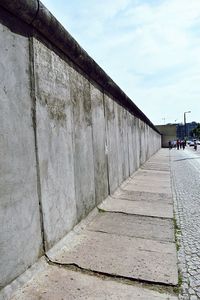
(66, 143)
(20, 231)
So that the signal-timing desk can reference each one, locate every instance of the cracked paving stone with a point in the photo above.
(59, 283)
(136, 258)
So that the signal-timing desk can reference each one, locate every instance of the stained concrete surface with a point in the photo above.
(140, 207)
(154, 166)
(54, 143)
(163, 175)
(142, 196)
(124, 256)
(134, 226)
(83, 144)
(19, 206)
(147, 187)
(99, 141)
(111, 143)
(62, 284)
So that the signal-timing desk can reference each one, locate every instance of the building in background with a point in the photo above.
(168, 133)
(172, 132)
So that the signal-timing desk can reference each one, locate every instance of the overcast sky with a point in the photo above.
(150, 48)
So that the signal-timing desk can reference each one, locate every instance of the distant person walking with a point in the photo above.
(177, 144)
(183, 144)
(195, 145)
(170, 145)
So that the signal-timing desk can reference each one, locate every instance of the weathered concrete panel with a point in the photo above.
(143, 196)
(99, 144)
(112, 146)
(125, 145)
(120, 146)
(130, 257)
(60, 283)
(141, 207)
(159, 167)
(145, 174)
(134, 226)
(137, 142)
(20, 237)
(55, 143)
(122, 143)
(130, 143)
(148, 142)
(155, 140)
(142, 142)
(83, 145)
(148, 187)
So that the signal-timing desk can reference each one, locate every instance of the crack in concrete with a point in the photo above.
(34, 122)
(151, 285)
(131, 214)
(144, 200)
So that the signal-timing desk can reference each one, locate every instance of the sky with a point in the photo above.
(150, 48)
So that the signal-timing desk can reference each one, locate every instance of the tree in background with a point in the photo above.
(196, 131)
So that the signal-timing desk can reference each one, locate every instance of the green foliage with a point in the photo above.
(196, 131)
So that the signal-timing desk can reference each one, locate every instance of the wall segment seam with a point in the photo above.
(106, 143)
(37, 12)
(33, 96)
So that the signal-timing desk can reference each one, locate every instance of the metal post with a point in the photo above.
(186, 112)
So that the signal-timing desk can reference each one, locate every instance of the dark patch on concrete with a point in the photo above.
(56, 109)
(109, 109)
(14, 24)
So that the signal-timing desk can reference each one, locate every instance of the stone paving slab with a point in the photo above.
(145, 208)
(155, 166)
(159, 159)
(153, 179)
(134, 226)
(133, 258)
(143, 196)
(139, 186)
(57, 283)
(151, 182)
(152, 173)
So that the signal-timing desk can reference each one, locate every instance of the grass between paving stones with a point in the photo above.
(101, 210)
(177, 234)
(153, 286)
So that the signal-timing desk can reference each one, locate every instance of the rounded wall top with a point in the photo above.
(24, 9)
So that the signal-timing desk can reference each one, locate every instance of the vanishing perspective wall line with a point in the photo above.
(69, 136)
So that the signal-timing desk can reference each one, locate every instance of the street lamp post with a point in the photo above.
(186, 112)
(163, 120)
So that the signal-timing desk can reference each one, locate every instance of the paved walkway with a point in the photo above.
(185, 167)
(123, 250)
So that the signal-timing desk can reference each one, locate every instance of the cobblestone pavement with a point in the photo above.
(185, 174)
